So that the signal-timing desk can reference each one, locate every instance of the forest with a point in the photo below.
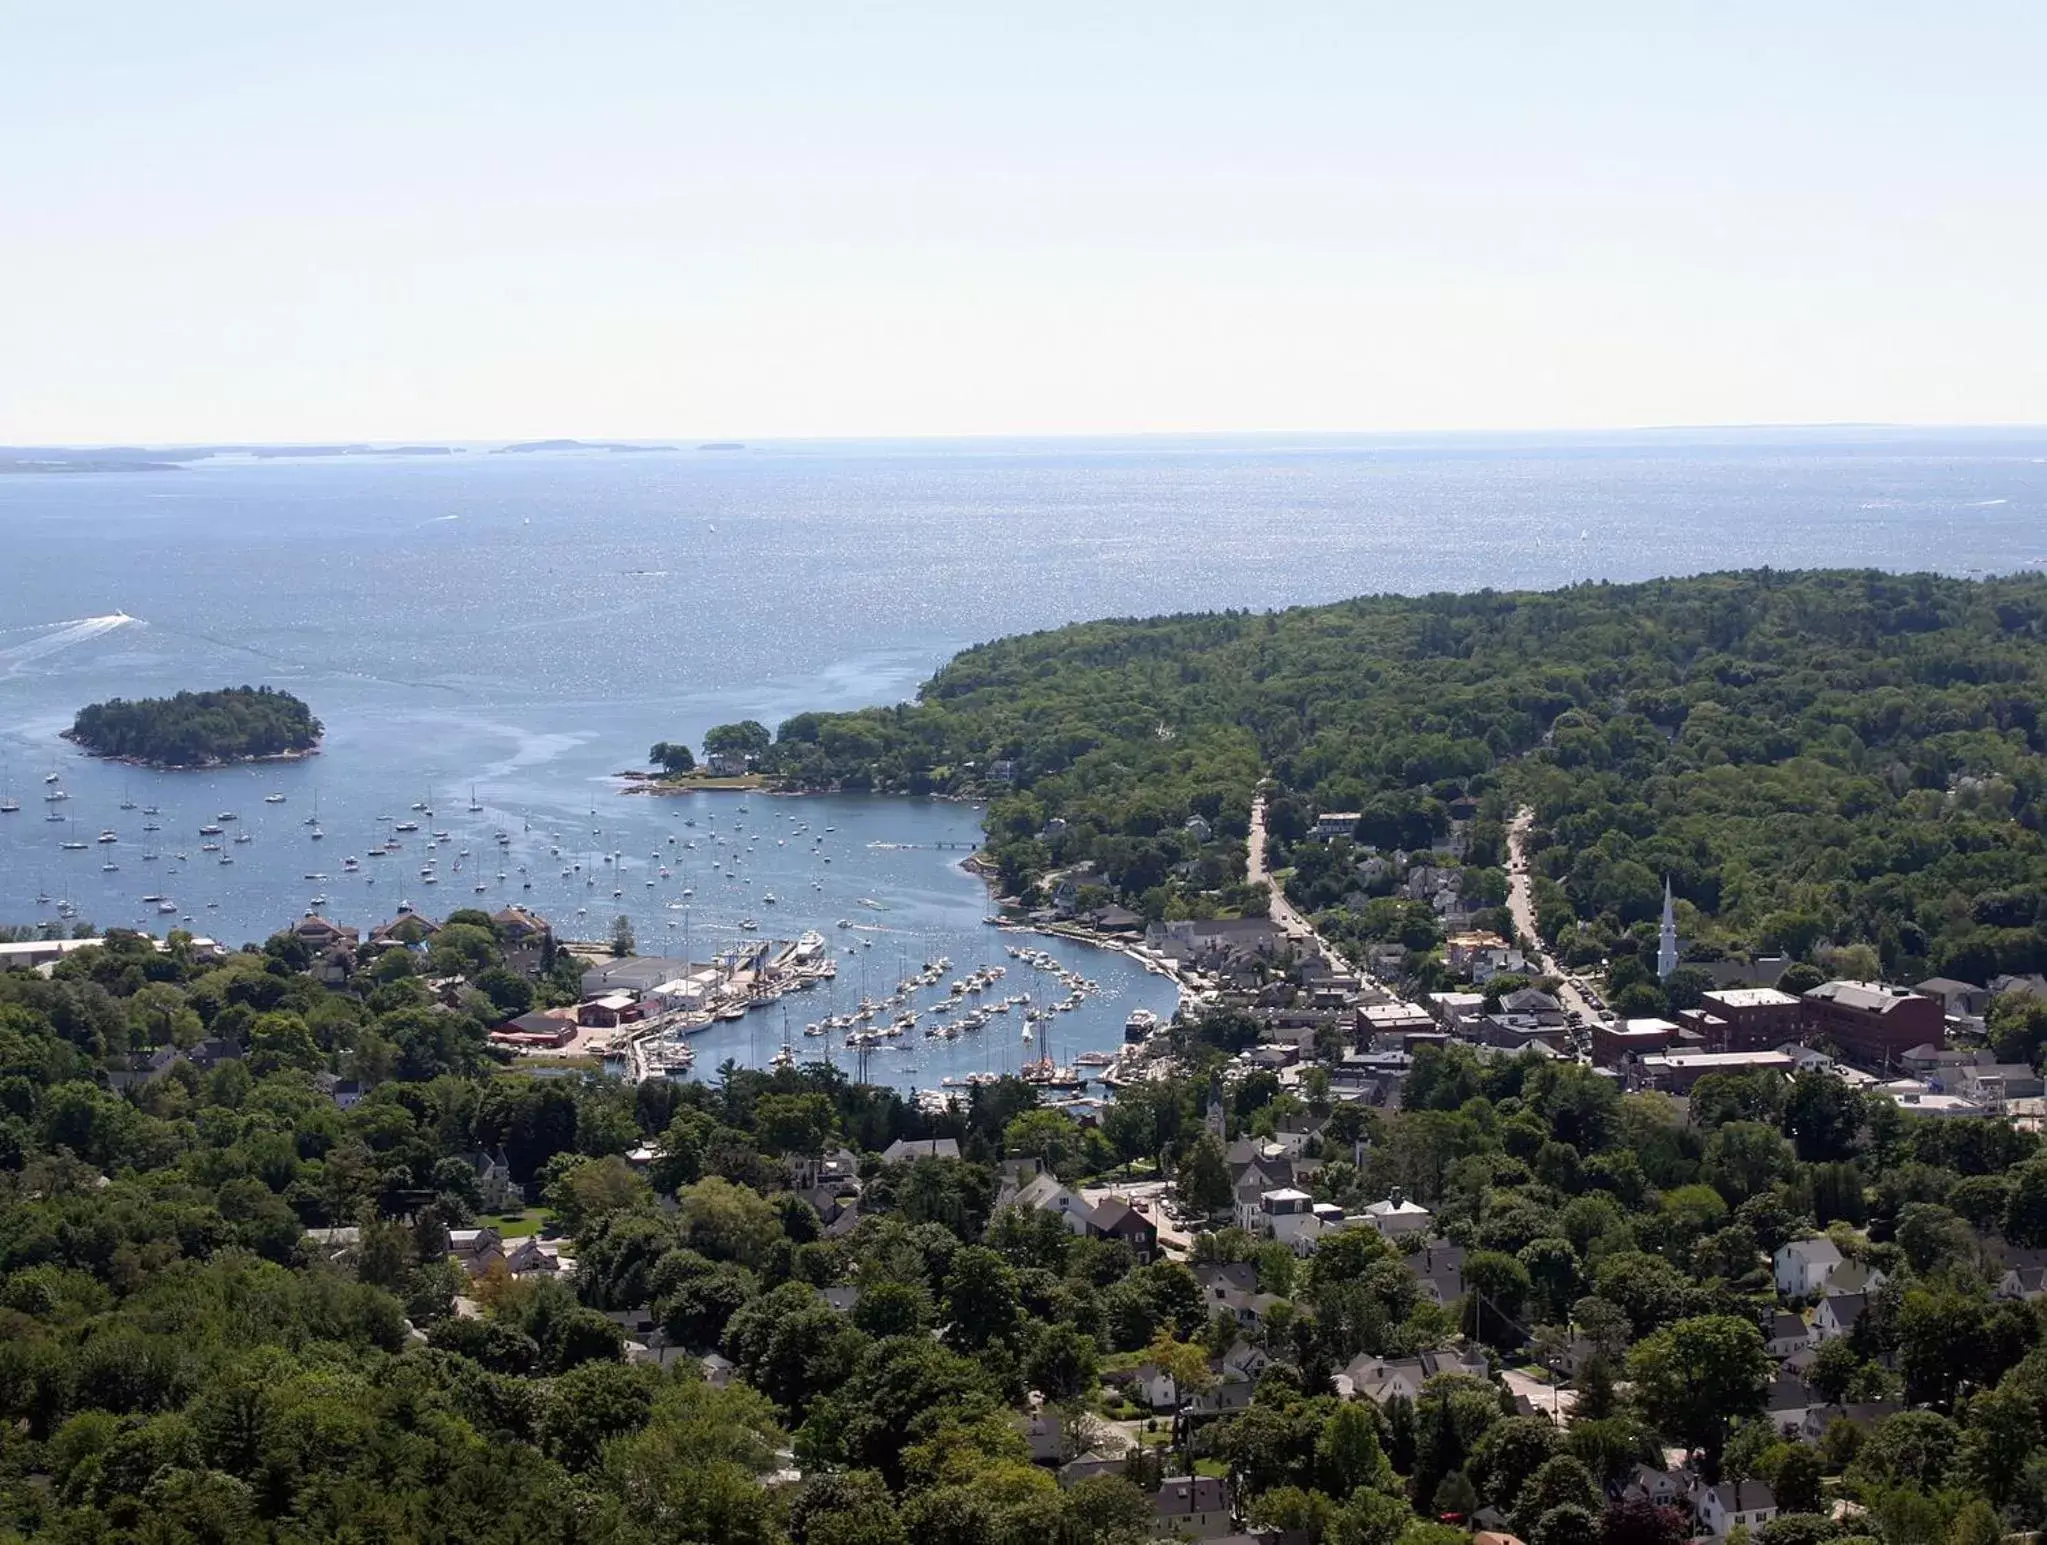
(197, 729)
(1836, 758)
(189, 1357)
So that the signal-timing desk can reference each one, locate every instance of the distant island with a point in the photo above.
(527, 447)
(722, 445)
(198, 729)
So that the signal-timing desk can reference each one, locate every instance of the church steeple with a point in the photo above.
(1214, 1121)
(1666, 936)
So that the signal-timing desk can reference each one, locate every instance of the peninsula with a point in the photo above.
(1822, 759)
(198, 729)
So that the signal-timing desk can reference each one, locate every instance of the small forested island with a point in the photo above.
(198, 729)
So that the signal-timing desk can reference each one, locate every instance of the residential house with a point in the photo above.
(1786, 1402)
(1665, 1488)
(1722, 1507)
(1198, 829)
(1244, 1361)
(1379, 1379)
(1153, 1386)
(1837, 1315)
(1960, 1000)
(532, 1257)
(1334, 823)
(906, 1149)
(717, 1369)
(1856, 1277)
(474, 1249)
(496, 1190)
(1862, 1416)
(1044, 1193)
(1397, 1217)
(2025, 1275)
(1439, 1269)
(1115, 1218)
(1803, 1266)
(1785, 1334)
(1192, 1505)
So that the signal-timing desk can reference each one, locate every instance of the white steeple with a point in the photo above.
(1666, 937)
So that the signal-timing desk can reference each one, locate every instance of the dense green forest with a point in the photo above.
(1813, 758)
(197, 729)
(183, 1361)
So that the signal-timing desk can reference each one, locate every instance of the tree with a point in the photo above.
(748, 738)
(622, 940)
(1794, 1477)
(1204, 1179)
(2025, 1214)
(1698, 1376)
(671, 757)
(1349, 1455)
(1642, 1522)
(980, 1298)
(1572, 1523)
(1509, 1453)
(1558, 1481)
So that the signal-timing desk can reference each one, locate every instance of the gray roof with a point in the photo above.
(905, 1148)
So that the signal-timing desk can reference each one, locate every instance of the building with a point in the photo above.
(1397, 1216)
(1197, 1506)
(1785, 1335)
(1803, 1267)
(1335, 823)
(1115, 1218)
(1994, 1084)
(1439, 1269)
(1753, 1018)
(1959, 1000)
(1615, 1045)
(1838, 1314)
(1676, 1072)
(906, 1149)
(1747, 1503)
(1871, 1022)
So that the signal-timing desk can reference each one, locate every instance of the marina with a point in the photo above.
(839, 929)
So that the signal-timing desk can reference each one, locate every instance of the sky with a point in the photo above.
(472, 221)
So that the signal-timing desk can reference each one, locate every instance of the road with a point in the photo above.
(1573, 993)
(1284, 912)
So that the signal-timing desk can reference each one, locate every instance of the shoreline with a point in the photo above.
(151, 765)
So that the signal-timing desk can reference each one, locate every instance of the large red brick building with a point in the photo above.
(1871, 1022)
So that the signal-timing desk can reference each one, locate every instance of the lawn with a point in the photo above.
(517, 1225)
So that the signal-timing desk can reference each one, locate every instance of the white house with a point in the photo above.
(1044, 1193)
(1785, 1334)
(1838, 1314)
(1397, 1216)
(1665, 1488)
(1156, 1388)
(1735, 1502)
(1804, 1266)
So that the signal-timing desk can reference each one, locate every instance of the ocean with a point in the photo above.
(527, 625)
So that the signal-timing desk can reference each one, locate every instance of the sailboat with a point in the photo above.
(474, 807)
(9, 805)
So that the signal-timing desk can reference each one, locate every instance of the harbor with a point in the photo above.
(772, 925)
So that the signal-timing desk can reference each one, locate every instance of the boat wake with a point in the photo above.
(56, 636)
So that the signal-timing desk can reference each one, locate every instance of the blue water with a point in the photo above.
(530, 624)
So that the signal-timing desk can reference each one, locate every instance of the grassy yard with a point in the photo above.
(517, 1225)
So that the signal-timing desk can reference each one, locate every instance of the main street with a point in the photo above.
(1285, 913)
(1573, 992)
